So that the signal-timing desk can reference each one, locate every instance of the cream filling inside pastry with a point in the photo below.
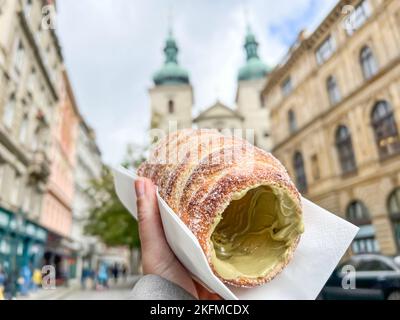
(254, 233)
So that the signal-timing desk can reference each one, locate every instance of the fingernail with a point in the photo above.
(139, 187)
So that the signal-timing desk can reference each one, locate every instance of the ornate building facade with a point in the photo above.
(57, 213)
(335, 117)
(43, 142)
(87, 169)
(30, 70)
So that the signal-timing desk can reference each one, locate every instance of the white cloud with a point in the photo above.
(113, 47)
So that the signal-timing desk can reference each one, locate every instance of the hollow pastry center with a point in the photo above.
(255, 233)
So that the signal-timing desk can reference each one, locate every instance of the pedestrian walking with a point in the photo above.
(36, 279)
(102, 276)
(124, 272)
(24, 280)
(84, 277)
(2, 282)
(115, 272)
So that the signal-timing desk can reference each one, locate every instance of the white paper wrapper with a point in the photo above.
(322, 245)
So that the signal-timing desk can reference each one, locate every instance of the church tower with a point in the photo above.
(249, 101)
(172, 94)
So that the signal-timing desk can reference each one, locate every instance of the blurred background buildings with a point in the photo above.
(48, 152)
(329, 111)
(172, 96)
(335, 114)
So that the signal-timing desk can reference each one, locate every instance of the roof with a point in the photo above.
(306, 42)
(218, 111)
(254, 67)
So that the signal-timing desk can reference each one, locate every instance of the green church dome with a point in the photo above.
(171, 72)
(254, 67)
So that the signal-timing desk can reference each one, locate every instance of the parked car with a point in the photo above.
(376, 277)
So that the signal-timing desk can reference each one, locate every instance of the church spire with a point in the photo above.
(251, 44)
(171, 49)
(171, 72)
(254, 67)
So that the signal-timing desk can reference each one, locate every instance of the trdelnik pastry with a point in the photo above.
(238, 201)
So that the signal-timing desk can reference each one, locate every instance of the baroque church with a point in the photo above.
(171, 97)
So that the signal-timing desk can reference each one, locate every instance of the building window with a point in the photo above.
(2, 170)
(394, 212)
(171, 107)
(35, 140)
(287, 87)
(359, 16)
(368, 63)
(385, 129)
(345, 150)
(301, 179)
(333, 90)
(292, 121)
(19, 56)
(9, 111)
(23, 131)
(2, 5)
(315, 167)
(28, 8)
(32, 81)
(364, 242)
(15, 189)
(325, 50)
(262, 101)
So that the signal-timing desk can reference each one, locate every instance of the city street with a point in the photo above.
(119, 291)
(269, 131)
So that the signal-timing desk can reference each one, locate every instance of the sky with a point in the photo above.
(112, 48)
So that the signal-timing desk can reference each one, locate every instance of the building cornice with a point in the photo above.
(307, 44)
(7, 141)
(70, 93)
(331, 109)
(54, 191)
(316, 70)
(234, 114)
(389, 169)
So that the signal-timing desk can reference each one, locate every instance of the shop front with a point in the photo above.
(22, 244)
(60, 253)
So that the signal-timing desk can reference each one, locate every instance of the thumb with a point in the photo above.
(150, 226)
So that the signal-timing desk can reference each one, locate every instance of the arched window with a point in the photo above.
(345, 151)
(19, 56)
(368, 62)
(262, 101)
(333, 90)
(9, 111)
(301, 178)
(171, 106)
(364, 241)
(394, 212)
(292, 121)
(385, 129)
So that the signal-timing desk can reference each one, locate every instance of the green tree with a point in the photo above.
(108, 219)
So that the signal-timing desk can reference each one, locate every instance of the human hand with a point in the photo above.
(157, 256)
